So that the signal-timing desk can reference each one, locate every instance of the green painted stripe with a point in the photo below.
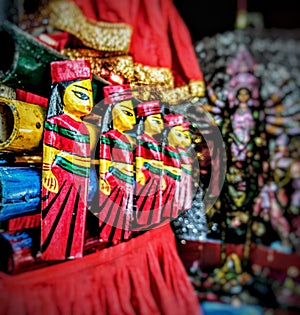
(72, 168)
(104, 140)
(152, 146)
(186, 171)
(184, 154)
(122, 145)
(171, 154)
(125, 178)
(58, 149)
(118, 144)
(70, 134)
(172, 175)
(153, 169)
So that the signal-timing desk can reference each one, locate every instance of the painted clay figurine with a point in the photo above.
(185, 191)
(173, 136)
(66, 161)
(149, 164)
(116, 181)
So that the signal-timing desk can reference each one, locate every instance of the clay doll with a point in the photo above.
(116, 166)
(185, 191)
(149, 164)
(173, 136)
(66, 161)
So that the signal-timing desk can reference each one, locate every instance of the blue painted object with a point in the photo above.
(18, 241)
(20, 191)
(93, 184)
(215, 308)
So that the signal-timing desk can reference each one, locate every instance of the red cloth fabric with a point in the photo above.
(263, 256)
(275, 260)
(160, 37)
(192, 251)
(142, 276)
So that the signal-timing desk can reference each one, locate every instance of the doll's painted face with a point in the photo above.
(78, 98)
(176, 137)
(123, 116)
(154, 124)
(187, 141)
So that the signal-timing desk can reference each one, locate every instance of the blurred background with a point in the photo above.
(207, 18)
(203, 18)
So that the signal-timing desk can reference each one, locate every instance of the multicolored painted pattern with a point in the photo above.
(63, 213)
(149, 196)
(115, 213)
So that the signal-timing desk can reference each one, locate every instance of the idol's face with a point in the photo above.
(154, 124)
(123, 116)
(78, 98)
(243, 95)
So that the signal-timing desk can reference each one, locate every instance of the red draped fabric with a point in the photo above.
(142, 276)
(160, 37)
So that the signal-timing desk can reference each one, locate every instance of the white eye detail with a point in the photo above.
(81, 95)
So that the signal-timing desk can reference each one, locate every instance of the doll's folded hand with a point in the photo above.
(104, 186)
(140, 177)
(50, 182)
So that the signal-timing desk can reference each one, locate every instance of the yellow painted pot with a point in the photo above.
(21, 126)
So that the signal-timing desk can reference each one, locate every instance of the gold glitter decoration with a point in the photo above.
(197, 88)
(108, 46)
(158, 83)
(173, 96)
(102, 36)
(146, 75)
(87, 52)
(145, 92)
(176, 95)
(122, 66)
